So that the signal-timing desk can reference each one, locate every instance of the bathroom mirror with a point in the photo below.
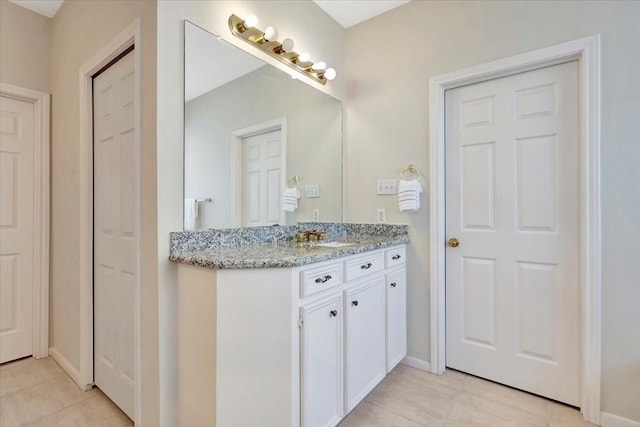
(249, 131)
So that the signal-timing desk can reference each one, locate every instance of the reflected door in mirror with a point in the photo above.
(262, 179)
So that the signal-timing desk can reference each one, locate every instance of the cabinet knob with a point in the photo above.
(396, 256)
(366, 266)
(394, 284)
(354, 303)
(323, 279)
(333, 313)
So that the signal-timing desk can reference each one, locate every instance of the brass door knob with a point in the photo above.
(453, 242)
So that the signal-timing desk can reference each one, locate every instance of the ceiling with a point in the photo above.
(345, 12)
(43, 7)
(351, 12)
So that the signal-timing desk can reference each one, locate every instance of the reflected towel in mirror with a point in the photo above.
(190, 214)
(290, 199)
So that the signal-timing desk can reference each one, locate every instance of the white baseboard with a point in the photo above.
(416, 363)
(610, 420)
(68, 368)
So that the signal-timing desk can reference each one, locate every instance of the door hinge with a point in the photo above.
(300, 322)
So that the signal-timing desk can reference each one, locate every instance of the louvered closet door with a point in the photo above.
(512, 285)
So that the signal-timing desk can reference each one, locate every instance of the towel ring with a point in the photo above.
(411, 169)
(295, 180)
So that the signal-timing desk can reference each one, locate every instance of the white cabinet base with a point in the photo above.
(321, 370)
(240, 345)
(364, 307)
(396, 287)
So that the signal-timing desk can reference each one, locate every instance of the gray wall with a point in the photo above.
(389, 61)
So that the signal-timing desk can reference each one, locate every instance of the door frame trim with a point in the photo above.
(130, 36)
(236, 161)
(587, 52)
(41, 210)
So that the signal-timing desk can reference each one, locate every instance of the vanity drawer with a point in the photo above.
(317, 279)
(363, 265)
(396, 256)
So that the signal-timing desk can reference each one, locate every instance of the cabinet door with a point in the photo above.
(322, 401)
(365, 339)
(396, 318)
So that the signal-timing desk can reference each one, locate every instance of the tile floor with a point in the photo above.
(409, 397)
(38, 393)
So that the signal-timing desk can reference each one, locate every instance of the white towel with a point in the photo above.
(409, 195)
(190, 214)
(290, 199)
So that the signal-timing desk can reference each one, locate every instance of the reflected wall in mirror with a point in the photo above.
(249, 130)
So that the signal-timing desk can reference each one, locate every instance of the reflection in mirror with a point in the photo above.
(249, 130)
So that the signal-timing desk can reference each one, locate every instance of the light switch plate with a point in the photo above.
(386, 186)
(312, 191)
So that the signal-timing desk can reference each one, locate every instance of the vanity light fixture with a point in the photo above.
(287, 45)
(304, 57)
(319, 66)
(250, 22)
(283, 51)
(270, 34)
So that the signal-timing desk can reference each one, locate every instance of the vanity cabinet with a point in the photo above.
(298, 346)
(364, 339)
(321, 367)
(396, 287)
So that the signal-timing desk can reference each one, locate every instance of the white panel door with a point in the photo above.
(512, 180)
(115, 240)
(365, 356)
(16, 228)
(321, 374)
(262, 178)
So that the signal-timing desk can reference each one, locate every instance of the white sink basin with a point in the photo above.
(334, 244)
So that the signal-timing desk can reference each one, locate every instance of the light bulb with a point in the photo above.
(304, 57)
(250, 21)
(270, 34)
(287, 45)
(319, 66)
(330, 74)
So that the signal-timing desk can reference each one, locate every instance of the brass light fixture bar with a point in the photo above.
(275, 49)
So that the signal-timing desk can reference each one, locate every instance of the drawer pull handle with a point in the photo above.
(333, 313)
(323, 279)
(396, 256)
(394, 284)
(366, 266)
(354, 303)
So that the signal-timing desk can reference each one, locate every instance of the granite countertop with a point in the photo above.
(216, 249)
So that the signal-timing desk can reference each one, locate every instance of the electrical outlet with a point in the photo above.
(316, 215)
(386, 186)
(312, 191)
(381, 215)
